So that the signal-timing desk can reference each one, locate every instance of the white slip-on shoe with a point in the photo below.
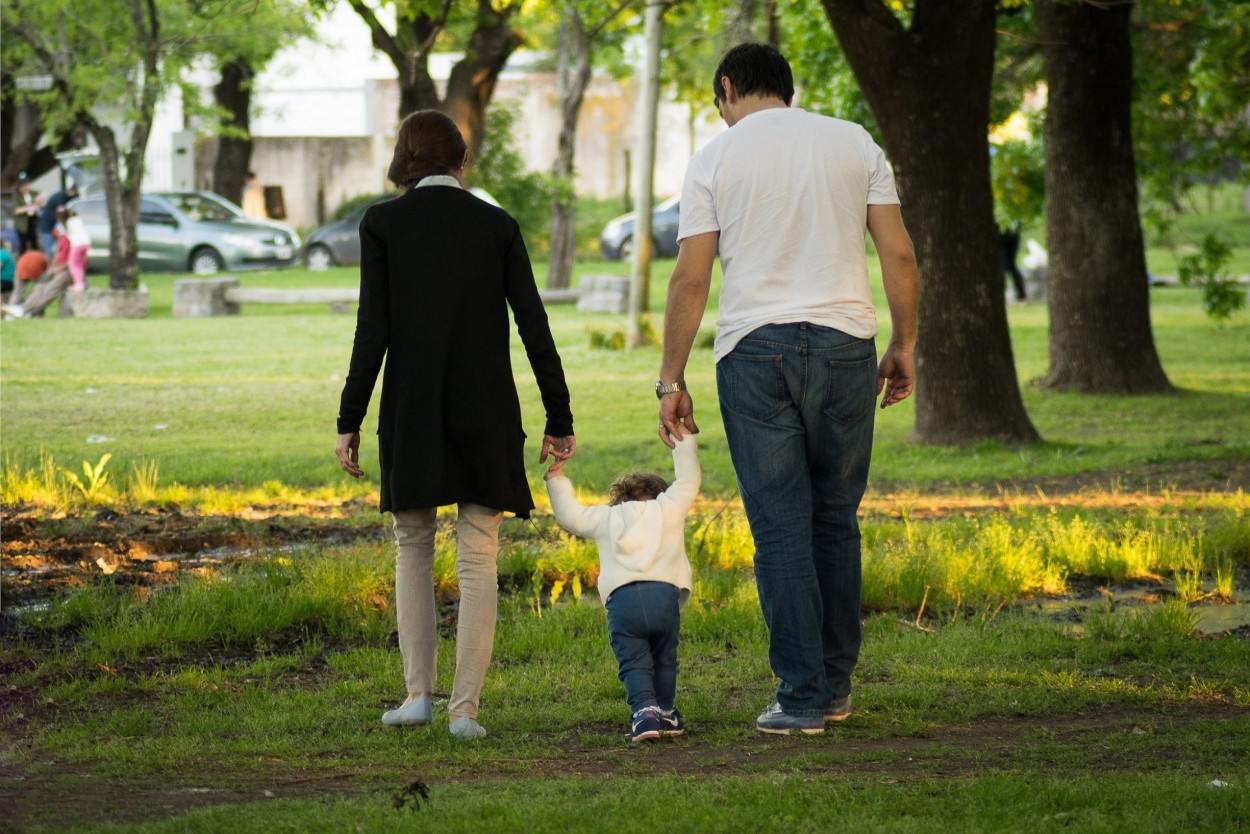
(419, 710)
(466, 729)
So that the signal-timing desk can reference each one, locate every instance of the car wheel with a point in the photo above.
(205, 261)
(626, 252)
(318, 257)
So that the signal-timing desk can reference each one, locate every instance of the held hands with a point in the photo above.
(896, 374)
(556, 468)
(347, 450)
(560, 448)
(676, 417)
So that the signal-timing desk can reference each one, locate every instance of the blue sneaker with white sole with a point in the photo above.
(779, 722)
(674, 724)
(646, 724)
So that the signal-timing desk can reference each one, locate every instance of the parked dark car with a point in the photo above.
(337, 243)
(192, 231)
(617, 240)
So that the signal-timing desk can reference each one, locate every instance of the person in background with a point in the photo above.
(784, 197)
(46, 290)
(79, 246)
(644, 578)
(439, 271)
(1008, 249)
(30, 268)
(254, 197)
(8, 269)
(49, 216)
(27, 211)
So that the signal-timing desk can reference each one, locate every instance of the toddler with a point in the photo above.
(644, 578)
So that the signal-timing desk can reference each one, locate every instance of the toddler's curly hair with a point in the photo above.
(636, 486)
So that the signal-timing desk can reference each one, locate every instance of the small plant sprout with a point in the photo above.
(1224, 574)
(1188, 585)
(96, 477)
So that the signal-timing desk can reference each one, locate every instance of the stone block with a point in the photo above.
(104, 303)
(197, 297)
(604, 294)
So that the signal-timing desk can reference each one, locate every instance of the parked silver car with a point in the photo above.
(192, 231)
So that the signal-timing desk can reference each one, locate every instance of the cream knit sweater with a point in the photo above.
(638, 540)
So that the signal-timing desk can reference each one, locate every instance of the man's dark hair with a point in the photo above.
(755, 68)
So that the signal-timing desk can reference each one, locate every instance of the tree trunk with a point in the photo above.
(234, 150)
(1100, 335)
(572, 79)
(123, 210)
(472, 81)
(929, 91)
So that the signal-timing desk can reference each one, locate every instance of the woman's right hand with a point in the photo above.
(561, 448)
(347, 450)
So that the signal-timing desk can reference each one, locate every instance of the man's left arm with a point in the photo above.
(896, 372)
(683, 312)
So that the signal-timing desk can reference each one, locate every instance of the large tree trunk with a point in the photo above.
(234, 150)
(572, 79)
(122, 201)
(472, 81)
(929, 91)
(1100, 336)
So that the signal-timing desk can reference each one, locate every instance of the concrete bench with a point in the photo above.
(222, 296)
(339, 299)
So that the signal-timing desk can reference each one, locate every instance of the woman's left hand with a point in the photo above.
(561, 448)
(347, 450)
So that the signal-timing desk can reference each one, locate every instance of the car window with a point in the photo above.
(199, 207)
(92, 211)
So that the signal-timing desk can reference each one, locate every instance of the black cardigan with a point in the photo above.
(439, 269)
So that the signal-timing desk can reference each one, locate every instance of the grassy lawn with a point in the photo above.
(1055, 636)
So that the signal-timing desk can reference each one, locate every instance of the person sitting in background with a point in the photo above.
(30, 268)
(49, 289)
(8, 269)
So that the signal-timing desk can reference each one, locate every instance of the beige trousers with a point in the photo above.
(477, 532)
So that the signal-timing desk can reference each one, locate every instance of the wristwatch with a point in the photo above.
(661, 389)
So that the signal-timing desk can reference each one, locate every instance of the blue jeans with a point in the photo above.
(797, 401)
(644, 625)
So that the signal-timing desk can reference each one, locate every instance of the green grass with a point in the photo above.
(982, 704)
(248, 402)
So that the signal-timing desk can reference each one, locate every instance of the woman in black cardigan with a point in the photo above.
(439, 269)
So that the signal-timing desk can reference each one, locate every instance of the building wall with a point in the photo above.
(317, 173)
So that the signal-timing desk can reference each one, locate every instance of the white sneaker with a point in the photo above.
(14, 311)
(466, 729)
(419, 710)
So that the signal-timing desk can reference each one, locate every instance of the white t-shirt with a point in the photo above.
(789, 193)
(77, 232)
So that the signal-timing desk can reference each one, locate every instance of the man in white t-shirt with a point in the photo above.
(784, 198)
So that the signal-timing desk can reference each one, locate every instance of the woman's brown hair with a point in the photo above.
(429, 143)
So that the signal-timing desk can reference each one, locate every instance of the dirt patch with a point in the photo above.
(58, 796)
(46, 556)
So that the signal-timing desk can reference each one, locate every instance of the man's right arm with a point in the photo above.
(896, 372)
(683, 311)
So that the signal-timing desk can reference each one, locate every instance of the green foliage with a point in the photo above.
(94, 477)
(526, 195)
(1189, 124)
(1221, 294)
(1018, 181)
